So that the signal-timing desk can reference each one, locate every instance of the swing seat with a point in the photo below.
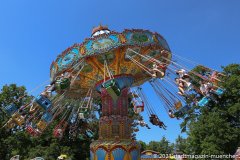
(138, 106)
(138, 110)
(84, 112)
(204, 101)
(160, 73)
(155, 121)
(41, 125)
(10, 109)
(72, 132)
(73, 118)
(89, 134)
(32, 131)
(136, 130)
(62, 157)
(18, 119)
(219, 91)
(58, 133)
(151, 120)
(59, 129)
(112, 88)
(188, 86)
(171, 115)
(178, 105)
(183, 110)
(142, 124)
(43, 102)
(10, 124)
(47, 117)
(81, 115)
(62, 84)
(134, 95)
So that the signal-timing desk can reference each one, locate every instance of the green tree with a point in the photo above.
(143, 145)
(12, 144)
(163, 146)
(180, 144)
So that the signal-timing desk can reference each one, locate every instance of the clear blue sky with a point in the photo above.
(33, 33)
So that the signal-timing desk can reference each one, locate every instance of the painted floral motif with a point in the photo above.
(102, 44)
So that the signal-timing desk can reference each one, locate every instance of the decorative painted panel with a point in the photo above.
(101, 154)
(102, 44)
(139, 37)
(87, 68)
(53, 71)
(118, 154)
(115, 129)
(68, 59)
(91, 155)
(59, 62)
(109, 56)
(135, 154)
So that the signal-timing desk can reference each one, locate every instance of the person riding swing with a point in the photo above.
(171, 114)
(158, 70)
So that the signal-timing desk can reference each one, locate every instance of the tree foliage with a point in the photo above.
(162, 146)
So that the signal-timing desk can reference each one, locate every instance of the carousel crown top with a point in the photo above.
(100, 30)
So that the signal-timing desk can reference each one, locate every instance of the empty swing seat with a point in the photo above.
(112, 88)
(83, 114)
(219, 91)
(42, 125)
(204, 101)
(73, 118)
(43, 102)
(138, 106)
(63, 83)
(47, 117)
(178, 105)
(89, 133)
(10, 109)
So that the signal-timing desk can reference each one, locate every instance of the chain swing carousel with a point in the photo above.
(109, 68)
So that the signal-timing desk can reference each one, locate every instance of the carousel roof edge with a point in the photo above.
(106, 35)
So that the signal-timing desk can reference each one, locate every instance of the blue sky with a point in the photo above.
(33, 33)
